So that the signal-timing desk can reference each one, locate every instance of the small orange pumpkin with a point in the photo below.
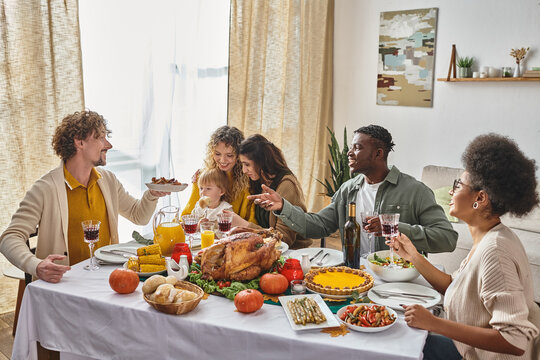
(124, 281)
(248, 301)
(273, 283)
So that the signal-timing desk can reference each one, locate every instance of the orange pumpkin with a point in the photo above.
(124, 281)
(273, 283)
(248, 301)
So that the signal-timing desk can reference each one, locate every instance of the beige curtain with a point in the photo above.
(280, 81)
(40, 83)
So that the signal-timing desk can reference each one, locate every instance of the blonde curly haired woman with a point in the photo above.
(222, 154)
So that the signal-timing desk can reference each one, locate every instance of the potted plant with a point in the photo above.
(339, 164)
(465, 67)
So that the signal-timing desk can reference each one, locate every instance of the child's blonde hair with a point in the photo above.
(218, 178)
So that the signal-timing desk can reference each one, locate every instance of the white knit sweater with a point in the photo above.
(494, 289)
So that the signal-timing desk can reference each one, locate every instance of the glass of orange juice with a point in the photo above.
(207, 234)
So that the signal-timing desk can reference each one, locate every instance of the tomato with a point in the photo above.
(248, 300)
(124, 281)
(364, 321)
(272, 283)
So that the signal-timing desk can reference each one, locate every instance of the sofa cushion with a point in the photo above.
(443, 197)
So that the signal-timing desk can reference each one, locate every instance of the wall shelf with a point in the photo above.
(489, 79)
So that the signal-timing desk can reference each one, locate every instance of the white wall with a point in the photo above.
(485, 29)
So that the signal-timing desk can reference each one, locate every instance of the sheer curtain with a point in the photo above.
(159, 76)
(40, 83)
(280, 82)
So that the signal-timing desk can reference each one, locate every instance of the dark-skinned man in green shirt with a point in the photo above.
(383, 189)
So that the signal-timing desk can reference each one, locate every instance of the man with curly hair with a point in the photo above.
(380, 189)
(75, 191)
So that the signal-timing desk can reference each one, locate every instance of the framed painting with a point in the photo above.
(406, 57)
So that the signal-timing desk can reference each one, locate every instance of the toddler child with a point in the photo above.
(213, 188)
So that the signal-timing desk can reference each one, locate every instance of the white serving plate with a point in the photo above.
(334, 258)
(331, 320)
(130, 247)
(366, 329)
(148, 274)
(166, 187)
(395, 302)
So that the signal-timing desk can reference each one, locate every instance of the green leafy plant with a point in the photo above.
(465, 62)
(339, 164)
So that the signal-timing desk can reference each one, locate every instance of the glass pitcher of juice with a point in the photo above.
(167, 229)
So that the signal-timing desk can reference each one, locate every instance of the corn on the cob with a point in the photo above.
(152, 259)
(145, 268)
(133, 264)
(149, 250)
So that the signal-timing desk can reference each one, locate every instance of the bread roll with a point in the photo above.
(152, 283)
(165, 294)
(171, 280)
(184, 295)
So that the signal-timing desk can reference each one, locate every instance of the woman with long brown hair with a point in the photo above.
(222, 154)
(263, 163)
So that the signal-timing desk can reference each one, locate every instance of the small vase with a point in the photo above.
(464, 72)
(517, 72)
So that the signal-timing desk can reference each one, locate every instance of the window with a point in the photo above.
(158, 72)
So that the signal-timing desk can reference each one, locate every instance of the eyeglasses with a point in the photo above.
(457, 185)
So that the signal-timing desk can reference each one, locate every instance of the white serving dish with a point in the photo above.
(388, 273)
(366, 329)
(331, 320)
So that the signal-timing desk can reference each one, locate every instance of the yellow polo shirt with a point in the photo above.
(84, 203)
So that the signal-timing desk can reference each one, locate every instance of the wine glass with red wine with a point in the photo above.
(225, 222)
(366, 216)
(390, 228)
(91, 236)
(190, 226)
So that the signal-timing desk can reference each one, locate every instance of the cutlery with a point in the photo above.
(129, 251)
(386, 296)
(317, 254)
(126, 255)
(405, 293)
(320, 262)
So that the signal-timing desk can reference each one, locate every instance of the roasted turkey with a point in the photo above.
(240, 256)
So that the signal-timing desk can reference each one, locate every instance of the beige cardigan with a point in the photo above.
(495, 290)
(46, 205)
(289, 188)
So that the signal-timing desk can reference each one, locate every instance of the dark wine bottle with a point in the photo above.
(351, 245)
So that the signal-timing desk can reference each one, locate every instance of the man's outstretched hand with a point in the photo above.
(48, 271)
(268, 200)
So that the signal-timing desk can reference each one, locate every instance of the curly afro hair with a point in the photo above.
(496, 164)
(380, 135)
(77, 126)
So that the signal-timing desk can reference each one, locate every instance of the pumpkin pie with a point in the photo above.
(340, 280)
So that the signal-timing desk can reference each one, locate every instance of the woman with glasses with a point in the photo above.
(488, 301)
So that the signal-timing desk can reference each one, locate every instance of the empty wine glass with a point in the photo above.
(91, 236)
(225, 222)
(190, 226)
(390, 228)
(366, 216)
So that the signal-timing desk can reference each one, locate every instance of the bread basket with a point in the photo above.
(179, 308)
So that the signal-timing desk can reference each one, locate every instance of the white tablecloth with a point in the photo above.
(81, 315)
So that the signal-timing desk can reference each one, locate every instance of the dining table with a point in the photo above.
(83, 318)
